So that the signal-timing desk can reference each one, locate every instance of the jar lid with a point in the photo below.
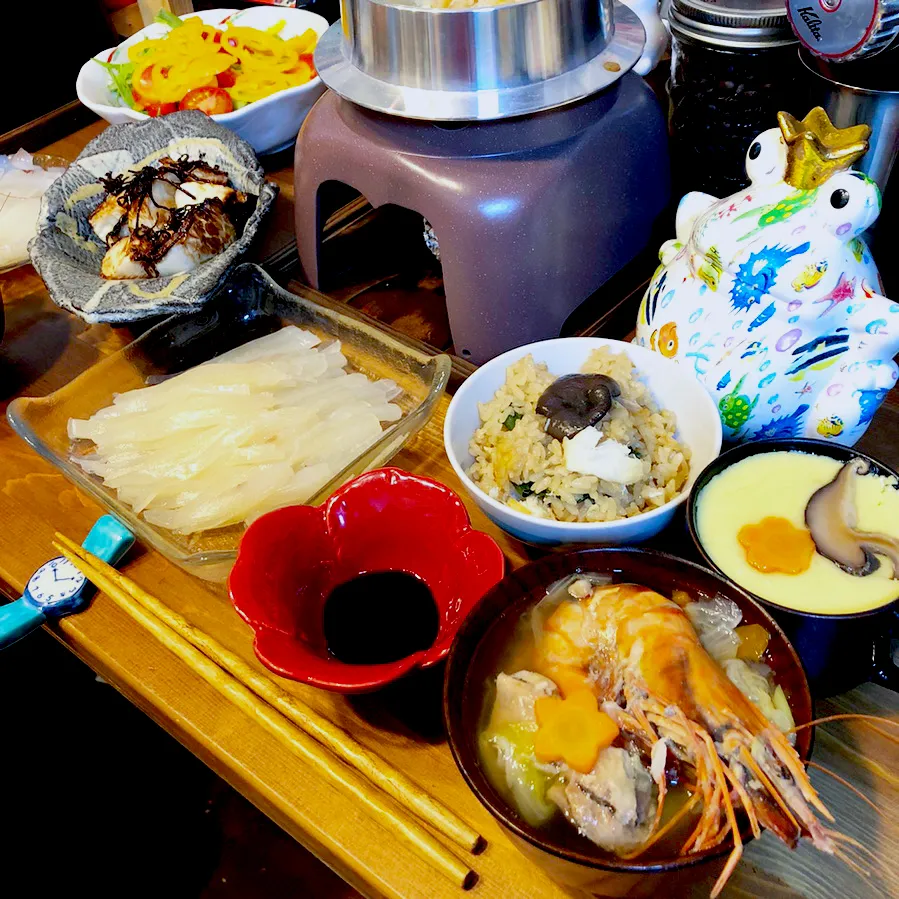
(733, 23)
(844, 29)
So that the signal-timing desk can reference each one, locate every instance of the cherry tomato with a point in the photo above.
(158, 109)
(226, 78)
(152, 108)
(211, 100)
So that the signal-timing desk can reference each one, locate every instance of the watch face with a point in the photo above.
(55, 583)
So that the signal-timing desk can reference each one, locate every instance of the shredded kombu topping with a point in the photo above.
(137, 187)
(151, 242)
(186, 169)
(134, 183)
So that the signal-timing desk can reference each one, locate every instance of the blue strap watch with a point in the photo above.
(58, 588)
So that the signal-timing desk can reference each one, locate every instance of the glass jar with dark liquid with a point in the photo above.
(734, 66)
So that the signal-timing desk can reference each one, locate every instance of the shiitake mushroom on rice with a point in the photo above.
(575, 402)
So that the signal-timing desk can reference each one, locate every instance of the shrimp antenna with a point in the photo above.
(855, 862)
(851, 841)
(736, 854)
(845, 783)
(866, 719)
(851, 863)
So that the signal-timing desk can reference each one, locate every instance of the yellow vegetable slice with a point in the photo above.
(188, 57)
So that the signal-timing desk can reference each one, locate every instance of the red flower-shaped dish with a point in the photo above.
(290, 560)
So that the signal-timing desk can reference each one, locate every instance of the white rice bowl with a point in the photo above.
(676, 432)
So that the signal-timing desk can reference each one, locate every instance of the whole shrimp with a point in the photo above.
(666, 693)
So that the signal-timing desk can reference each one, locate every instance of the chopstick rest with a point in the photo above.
(58, 588)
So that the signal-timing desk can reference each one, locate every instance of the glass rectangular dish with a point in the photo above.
(247, 306)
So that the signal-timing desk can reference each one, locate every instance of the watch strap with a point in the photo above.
(108, 539)
(17, 619)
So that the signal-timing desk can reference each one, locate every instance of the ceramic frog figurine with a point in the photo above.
(771, 294)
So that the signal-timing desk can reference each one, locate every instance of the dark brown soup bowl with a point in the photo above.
(566, 856)
(838, 651)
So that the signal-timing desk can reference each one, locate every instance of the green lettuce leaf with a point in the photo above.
(164, 17)
(120, 74)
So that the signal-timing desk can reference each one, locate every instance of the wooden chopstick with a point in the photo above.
(112, 583)
(379, 772)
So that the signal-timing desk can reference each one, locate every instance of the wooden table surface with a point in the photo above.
(45, 348)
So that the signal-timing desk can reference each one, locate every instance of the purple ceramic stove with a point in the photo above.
(517, 131)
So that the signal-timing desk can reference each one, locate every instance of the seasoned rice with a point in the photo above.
(518, 463)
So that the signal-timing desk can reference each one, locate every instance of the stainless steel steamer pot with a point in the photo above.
(481, 62)
(475, 48)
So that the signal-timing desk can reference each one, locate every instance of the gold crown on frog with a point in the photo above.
(817, 149)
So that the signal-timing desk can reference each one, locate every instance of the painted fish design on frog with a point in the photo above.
(810, 276)
(830, 427)
(783, 427)
(844, 290)
(736, 408)
(868, 401)
(711, 268)
(778, 212)
(758, 274)
(666, 343)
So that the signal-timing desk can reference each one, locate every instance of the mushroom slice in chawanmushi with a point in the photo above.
(575, 402)
(831, 519)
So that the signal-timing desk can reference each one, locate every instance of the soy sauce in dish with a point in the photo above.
(379, 617)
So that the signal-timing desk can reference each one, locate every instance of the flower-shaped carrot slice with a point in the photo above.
(572, 730)
(776, 544)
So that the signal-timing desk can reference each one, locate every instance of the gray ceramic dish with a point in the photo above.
(67, 254)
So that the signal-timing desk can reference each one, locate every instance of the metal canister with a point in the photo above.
(733, 67)
(843, 30)
(851, 49)
(866, 91)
